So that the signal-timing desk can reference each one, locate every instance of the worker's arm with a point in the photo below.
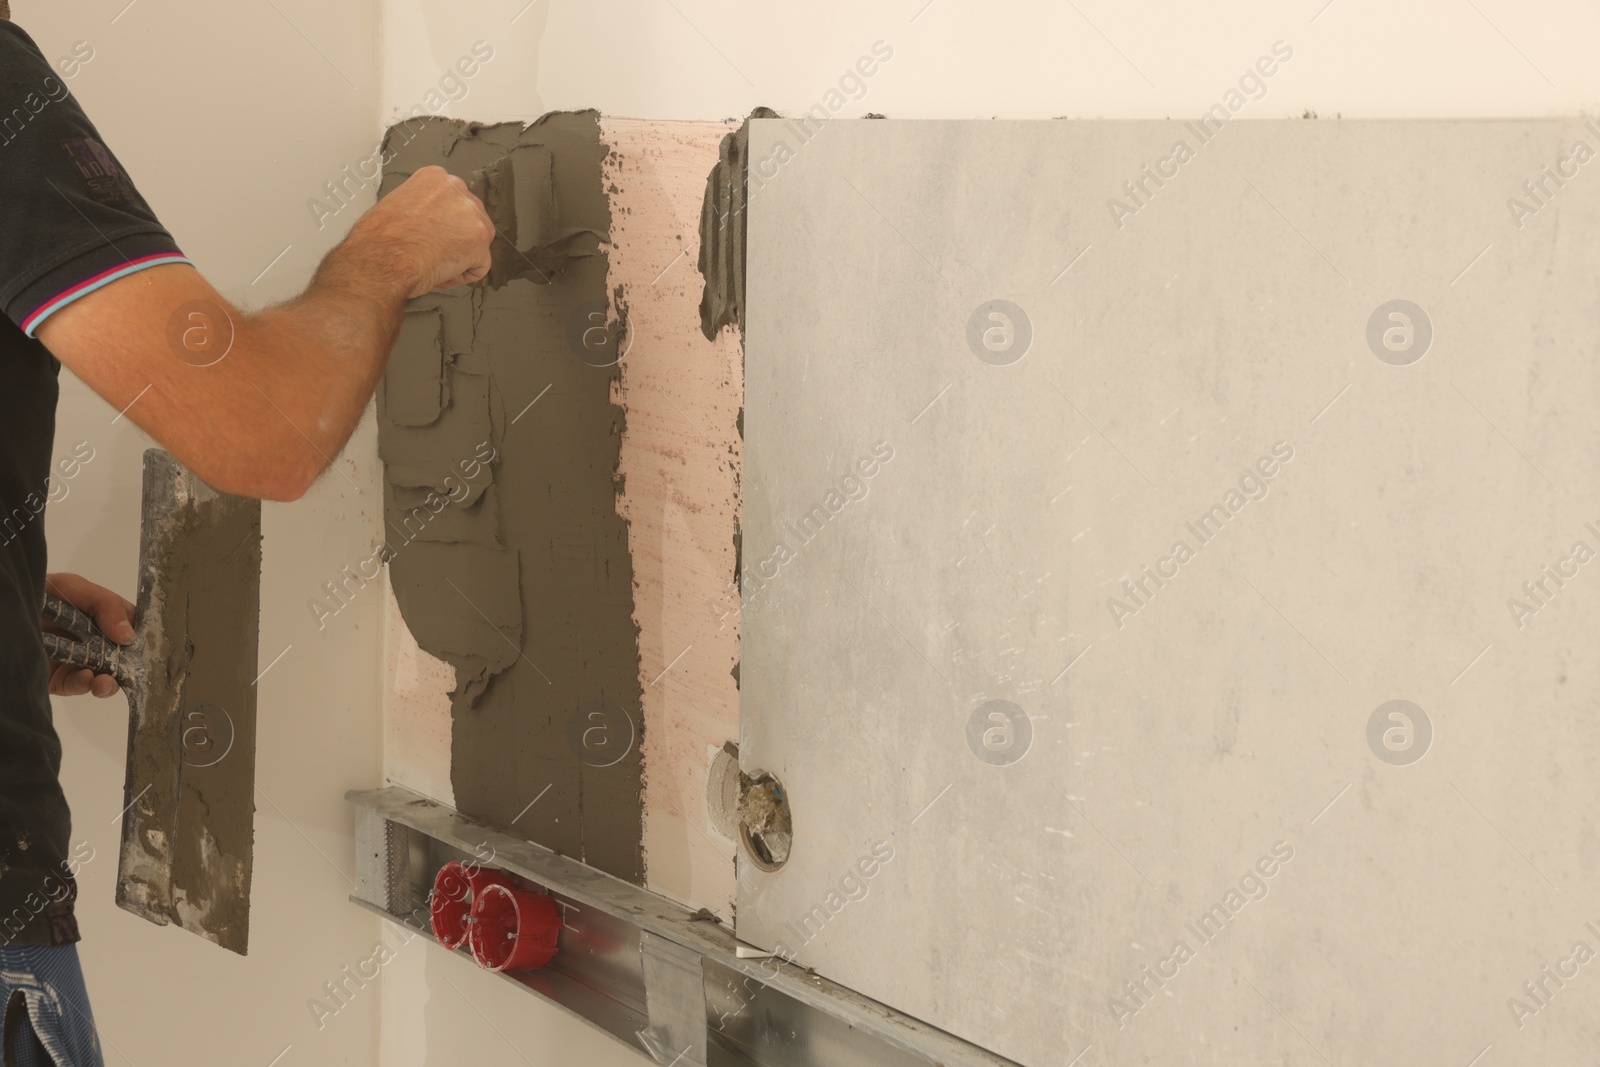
(258, 404)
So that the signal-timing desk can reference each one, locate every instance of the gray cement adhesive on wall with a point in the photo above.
(1170, 582)
(500, 440)
(722, 231)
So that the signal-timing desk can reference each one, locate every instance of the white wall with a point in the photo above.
(230, 118)
(709, 59)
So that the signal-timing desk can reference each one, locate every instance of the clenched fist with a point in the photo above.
(434, 227)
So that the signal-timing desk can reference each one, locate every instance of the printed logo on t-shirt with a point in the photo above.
(99, 171)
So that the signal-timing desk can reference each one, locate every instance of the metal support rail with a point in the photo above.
(642, 968)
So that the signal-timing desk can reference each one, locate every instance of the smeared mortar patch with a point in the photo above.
(477, 629)
(429, 518)
(723, 225)
(422, 457)
(526, 587)
(722, 232)
(415, 396)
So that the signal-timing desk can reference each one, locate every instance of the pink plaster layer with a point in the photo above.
(680, 463)
(416, 712)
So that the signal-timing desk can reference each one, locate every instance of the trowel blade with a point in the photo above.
(188, 829)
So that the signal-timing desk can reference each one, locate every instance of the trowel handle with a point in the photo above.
(88, 647)
(68, 617)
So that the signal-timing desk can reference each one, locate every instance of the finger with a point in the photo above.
(468, 277)
(110, 612)
(72, 682)
(114, 616)
(424, 177)
(474, 273)
(104, 686)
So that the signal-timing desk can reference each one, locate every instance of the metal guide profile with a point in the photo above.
(639, 967)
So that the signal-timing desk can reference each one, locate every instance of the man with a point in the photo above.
(254, 404)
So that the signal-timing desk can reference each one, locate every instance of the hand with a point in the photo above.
(110, 612)
(433, 224)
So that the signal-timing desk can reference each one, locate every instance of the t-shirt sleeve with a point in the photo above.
(70, 219)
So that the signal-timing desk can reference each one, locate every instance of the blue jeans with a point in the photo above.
(45, 1020)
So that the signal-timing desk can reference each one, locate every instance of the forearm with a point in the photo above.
(260, 404)
(316, 359)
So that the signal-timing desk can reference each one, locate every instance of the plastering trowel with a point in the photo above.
(189, 675)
